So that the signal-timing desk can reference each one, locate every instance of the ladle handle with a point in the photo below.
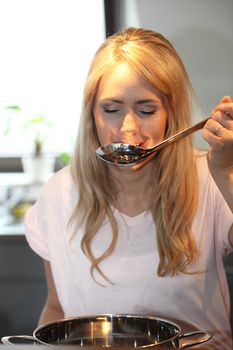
(180, 135)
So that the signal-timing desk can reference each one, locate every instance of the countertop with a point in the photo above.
(12, 230)
(15, 188)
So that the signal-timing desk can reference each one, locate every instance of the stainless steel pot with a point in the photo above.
(116, 331)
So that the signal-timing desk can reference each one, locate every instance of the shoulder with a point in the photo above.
(60, 180)
(47, 219)
(213, 215)
(206, 180)
(59, 188)
(61, 176)
(200, 158)
(208, 189)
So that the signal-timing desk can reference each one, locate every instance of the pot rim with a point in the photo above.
(141, 316)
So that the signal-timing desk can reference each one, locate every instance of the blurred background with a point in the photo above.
(46, 48)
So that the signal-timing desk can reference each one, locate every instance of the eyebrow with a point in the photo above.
(137, 102)
(147, 101)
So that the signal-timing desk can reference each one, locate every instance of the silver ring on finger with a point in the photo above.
(216, 131)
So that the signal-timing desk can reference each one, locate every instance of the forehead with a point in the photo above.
(123, 79)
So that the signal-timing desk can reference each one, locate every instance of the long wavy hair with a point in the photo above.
(174, 191)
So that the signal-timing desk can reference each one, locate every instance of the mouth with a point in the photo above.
(134, 143)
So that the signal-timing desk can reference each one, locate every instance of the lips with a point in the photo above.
(131, 142)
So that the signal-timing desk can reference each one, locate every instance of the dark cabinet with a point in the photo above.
(22, 286)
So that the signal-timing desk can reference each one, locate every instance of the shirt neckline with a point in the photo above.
(136, 219)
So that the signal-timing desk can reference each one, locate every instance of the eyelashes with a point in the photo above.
(139, 112)
(106, 110)
(148, 112)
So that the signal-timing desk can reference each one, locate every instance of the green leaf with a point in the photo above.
(14, 108)
(64, 158)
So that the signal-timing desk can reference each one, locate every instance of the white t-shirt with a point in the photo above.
(195, 301)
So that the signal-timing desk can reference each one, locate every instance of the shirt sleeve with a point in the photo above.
(213, 209)
(223, 222)
(46, 222)
(33, 235)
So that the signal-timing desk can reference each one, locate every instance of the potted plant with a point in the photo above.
(38, 164)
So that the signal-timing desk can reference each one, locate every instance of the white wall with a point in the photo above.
(202, 32)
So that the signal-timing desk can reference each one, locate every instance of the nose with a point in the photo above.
(130, 124)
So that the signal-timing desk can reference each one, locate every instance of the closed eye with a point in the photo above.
(147, 107)
(147, 112)
(107, 110)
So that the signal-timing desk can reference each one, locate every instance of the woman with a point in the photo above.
(150, 238)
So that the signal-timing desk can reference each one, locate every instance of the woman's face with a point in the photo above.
(128, 109)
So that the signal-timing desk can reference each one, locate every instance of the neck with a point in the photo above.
(127, 178)
(133, 188)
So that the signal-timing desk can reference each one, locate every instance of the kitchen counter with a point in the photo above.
(14, 179)
(12, 229)
(15, 188)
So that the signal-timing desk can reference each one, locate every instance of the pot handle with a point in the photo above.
(9, 340)
(202, 338)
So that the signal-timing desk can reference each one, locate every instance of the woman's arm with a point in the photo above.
(52, 310)
(218, 132)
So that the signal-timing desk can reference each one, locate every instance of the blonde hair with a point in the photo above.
(174, 192)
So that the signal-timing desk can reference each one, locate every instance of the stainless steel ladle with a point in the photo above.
(123, 154)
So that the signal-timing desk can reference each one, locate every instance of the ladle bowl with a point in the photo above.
(123, 154)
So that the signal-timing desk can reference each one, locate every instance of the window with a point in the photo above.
(46, 49)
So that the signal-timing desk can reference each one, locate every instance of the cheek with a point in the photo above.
(99, 123)
(102, 136)
(102, 128)
(100, 131)
(157, 129)
(160, 131)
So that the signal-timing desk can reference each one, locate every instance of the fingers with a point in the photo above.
(226, 99)
(213, 131)
(221, 122)
(224, 118)
(218, 132)
(220, 125)
(225, 106)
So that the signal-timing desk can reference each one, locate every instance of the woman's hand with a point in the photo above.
(218, 132)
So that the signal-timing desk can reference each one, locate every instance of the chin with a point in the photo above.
(139, 166)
